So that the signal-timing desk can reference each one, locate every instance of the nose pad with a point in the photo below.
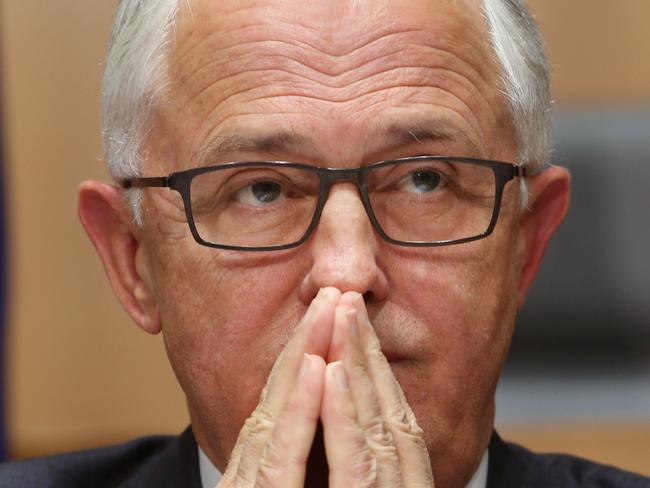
(344, 248)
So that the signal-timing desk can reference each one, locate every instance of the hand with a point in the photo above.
(274, 444)
(372, 438)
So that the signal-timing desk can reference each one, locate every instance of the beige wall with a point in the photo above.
(80, 373)
(599, 49)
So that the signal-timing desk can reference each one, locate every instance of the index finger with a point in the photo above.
(312, 336)
(397, 413)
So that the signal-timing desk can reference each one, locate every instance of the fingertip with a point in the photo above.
(305, 366)
(352, 319)
(341, 314)
(316, 361)
(351, 299)
(330, 293)
(312, 375)
(337, 343)
(337, 376)
(330, 394)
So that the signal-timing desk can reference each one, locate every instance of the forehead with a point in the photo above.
(333, 27)
(285, 57)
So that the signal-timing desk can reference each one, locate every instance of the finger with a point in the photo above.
(400, 420)
(284, 460)
(350, 461)
(379, 369)
(364, 395)
(313, 330)
(318, 321)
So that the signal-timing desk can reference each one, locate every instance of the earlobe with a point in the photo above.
(548, 204)
(107, 222)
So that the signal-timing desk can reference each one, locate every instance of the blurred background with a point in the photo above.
(78, 373)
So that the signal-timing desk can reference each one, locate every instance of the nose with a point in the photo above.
(345, 249)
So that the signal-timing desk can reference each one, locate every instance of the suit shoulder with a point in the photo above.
(101, 467)
(513, 465)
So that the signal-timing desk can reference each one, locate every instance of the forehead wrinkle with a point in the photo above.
(381, 137)
(389, 52)
(381, 93)
(274, 82)
(225, 36)
(286, 38)
(290, 23)
(286, 66)
(303, 144)
(308, 43)
(246, 49)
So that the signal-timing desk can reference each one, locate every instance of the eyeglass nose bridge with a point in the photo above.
(356, 176)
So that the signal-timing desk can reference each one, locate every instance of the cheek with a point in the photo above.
(225, 319)
(459, 294)
(459, 302)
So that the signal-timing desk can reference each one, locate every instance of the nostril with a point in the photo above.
(369, 297)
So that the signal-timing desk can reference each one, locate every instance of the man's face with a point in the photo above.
(336, 84)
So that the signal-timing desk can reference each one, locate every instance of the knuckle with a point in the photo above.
(363, 470)
(268, 475)
(275, 464)
(398, 414)
(384, 447)
(242, 479)
(377, 434)
(402, 424)
(259, 422)
(374, 348)
(380, 440)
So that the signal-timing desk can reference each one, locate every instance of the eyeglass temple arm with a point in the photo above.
(157, 181)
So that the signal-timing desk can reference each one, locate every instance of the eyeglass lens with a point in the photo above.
(418, 201)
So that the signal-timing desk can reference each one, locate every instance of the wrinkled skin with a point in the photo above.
(337, 84)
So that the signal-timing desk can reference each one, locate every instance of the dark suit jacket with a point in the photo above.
(172, 462)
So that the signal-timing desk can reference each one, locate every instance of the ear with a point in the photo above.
(548, 203)
(108, 222)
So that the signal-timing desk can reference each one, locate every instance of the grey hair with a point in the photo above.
(519, 49)
(136, 72)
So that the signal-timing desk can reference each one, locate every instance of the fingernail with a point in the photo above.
(331, 294)
(361, 306)
(339, 375)
(305, 365)
(353, 322)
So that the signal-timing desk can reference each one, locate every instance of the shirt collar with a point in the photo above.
(210, 475)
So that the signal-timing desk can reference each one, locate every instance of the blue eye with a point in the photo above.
(262, 192)
(421, 181)
(266, 191)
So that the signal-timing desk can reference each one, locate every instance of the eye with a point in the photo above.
(261, 192)
(421, 181)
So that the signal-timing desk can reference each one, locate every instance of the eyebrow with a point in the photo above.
(397, 134)
(275, 142)
(384, 136)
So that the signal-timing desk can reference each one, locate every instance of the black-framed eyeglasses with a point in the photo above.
(271, 205)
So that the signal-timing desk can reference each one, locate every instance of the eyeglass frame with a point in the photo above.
(181, 181)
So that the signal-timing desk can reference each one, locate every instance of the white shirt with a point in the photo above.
(210, 475)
